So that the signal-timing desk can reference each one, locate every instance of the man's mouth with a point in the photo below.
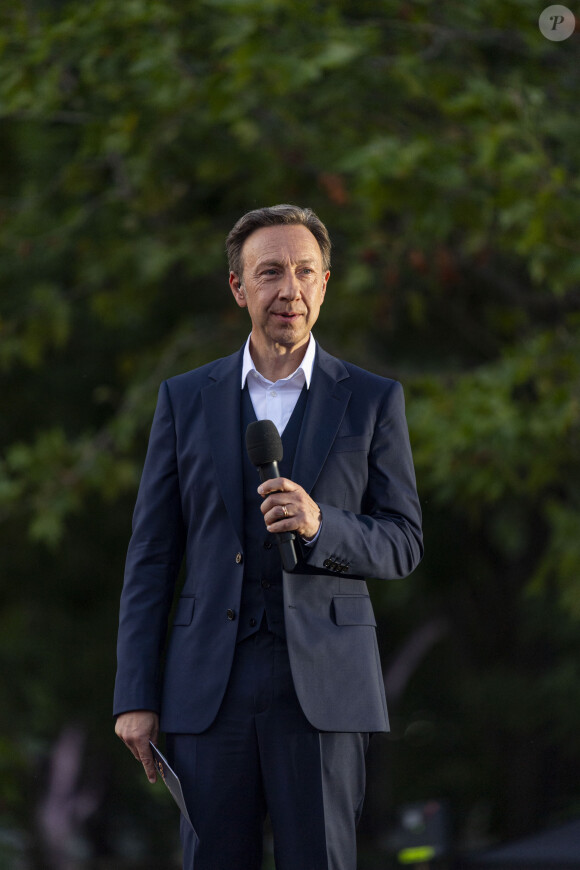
(287, 315)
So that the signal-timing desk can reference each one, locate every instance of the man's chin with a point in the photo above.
(290, 337)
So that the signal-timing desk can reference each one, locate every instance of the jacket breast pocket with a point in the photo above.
(184, 610)
(353, 610)
(348, 443)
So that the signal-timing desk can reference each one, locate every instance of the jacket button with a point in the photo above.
(265, 584)
(253, 622)
(239, 558)
(231, 614)
(327, 563)
(267, 545)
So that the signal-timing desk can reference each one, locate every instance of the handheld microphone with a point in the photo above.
(265, 451)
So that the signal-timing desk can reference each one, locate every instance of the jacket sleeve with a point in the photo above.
(382, 537)
(153, 560)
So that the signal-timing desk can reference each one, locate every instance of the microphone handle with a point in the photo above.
(268, 471)
(285, 540)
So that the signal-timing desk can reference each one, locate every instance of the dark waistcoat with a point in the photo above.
(262, 585)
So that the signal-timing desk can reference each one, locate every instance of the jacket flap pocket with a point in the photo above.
(184, 610)
(353, 610)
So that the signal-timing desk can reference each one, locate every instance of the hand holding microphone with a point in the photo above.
(287, 507)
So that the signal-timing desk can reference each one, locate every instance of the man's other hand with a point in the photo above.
(136, 729)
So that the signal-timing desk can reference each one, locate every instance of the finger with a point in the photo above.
(282, 510)
(273, 505)
(146, 759)
(276, 484)
(129, 743)
(277, 510)
(133, 747)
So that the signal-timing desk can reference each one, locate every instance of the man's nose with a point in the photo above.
(289, 286)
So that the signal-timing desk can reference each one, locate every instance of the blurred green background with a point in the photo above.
(440, 143)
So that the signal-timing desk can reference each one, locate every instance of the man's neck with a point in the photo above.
(278, 362)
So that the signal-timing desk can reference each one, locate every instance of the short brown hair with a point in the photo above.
(270, 217)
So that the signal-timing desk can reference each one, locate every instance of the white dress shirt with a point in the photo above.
(276, 400)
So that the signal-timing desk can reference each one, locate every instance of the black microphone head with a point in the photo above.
(263, 443)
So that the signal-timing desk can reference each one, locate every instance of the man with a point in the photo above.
(272, 681)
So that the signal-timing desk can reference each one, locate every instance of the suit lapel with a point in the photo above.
(221, 403)
(325, 409)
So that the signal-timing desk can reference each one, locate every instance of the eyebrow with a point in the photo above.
(309, 261)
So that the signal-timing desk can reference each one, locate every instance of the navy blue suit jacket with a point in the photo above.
(354, 459)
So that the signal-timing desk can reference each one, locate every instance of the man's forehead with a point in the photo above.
(281, 242)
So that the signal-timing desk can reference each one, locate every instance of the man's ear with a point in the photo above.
(323, 288)
(238, 290)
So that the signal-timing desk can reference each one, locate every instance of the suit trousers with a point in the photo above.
(261, 755)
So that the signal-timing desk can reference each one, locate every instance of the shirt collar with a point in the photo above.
(305, 366)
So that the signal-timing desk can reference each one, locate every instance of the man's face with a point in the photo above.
(282, 285)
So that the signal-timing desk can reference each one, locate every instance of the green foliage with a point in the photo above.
(440, 145)
(510, 429)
